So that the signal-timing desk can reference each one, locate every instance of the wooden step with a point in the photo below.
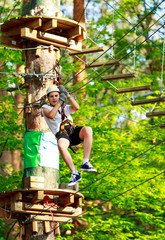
(162, 125)
(155, 114)
(99, 64)
(146, 101)
(88, 50)
(133, 89)
(118, 76)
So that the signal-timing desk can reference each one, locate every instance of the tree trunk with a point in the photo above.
(79, 16)
(36, 86)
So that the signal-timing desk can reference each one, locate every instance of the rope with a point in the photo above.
(47, 203)
(153, 10)
(147, 180)
(116, 43)
(133, 25)
(162, 65)
(119, 60)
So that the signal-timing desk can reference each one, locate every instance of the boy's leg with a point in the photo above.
(87, 136)
(63, 145)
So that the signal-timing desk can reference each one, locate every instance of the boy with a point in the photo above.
(52, 114)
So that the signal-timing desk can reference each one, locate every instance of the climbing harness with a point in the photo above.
(67, 127)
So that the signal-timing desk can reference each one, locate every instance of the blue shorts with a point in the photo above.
(73, 138)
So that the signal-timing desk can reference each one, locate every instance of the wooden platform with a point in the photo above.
(57, 31)
(162, 125)
(64, 204)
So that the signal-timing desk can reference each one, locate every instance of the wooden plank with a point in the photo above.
(99, 64)
(17, 197)
(33, 35)
(44, 211)
(34, 185)
(133, 89)
(118, 76)
(35, 226)
(16, 206)
(49, 218)
(34, 23)
(17, 30)
(78, 202)
(89, 50)
(11, 32)
(147, 101)
(47, 226)
(54, 38)
(57, 229)
(66, 200)
(34, 179)
(65, 186)
(73, 32)
(10, 42)
(162, 125)
(155, 114)
(38, 207)
(50, 24)
(29, 192)
(37, 196)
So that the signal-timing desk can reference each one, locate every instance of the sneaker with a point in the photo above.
(74, 178)
(87, 167)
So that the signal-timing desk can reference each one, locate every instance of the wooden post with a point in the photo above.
(39, 60)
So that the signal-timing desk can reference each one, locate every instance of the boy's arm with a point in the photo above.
(51, 113)
(74, 105)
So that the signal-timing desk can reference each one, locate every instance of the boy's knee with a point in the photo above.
(88, 131)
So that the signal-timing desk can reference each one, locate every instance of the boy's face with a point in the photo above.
(53, 98)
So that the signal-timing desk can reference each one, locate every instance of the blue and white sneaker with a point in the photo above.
(74, 178)
(87, 167)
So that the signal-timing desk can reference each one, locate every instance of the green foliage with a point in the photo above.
(127, 200)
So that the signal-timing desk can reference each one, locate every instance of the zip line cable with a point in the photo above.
(162, 65)
(133, 25)
(70, 37)
(153, 10)
(123, 67)
(108, 174)
(121, 166)
(118, 41)
(119, 60)
(109, 47)
(120, 194)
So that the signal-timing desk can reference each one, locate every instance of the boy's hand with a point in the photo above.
(62, 98)
(63, 90)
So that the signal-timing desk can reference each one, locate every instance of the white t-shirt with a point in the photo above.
(54, 124)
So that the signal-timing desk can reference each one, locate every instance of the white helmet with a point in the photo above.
(52, 88)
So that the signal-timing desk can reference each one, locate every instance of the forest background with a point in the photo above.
(125, 199)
